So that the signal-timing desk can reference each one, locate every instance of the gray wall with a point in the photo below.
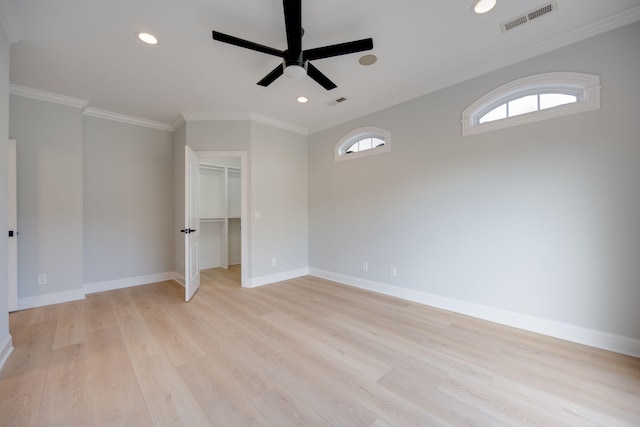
(4, 134)
(219, 135)
(128, 192)
(95, 198)
(49, 168)
(540, 219)
(277, 174)
(279, 191)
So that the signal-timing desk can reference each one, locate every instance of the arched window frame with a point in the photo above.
(586, 88)
(365, 132)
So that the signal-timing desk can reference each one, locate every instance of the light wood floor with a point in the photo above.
(302, 352)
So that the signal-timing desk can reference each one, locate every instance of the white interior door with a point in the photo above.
(192, 223)
(13, 227)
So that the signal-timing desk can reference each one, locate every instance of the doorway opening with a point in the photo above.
(223, 213)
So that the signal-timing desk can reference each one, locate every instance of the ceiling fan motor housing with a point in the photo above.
(295, 60)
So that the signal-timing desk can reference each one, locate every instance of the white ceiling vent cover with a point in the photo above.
(529, 16)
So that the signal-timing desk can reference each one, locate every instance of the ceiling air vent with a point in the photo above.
(336, 101)
(529, 16)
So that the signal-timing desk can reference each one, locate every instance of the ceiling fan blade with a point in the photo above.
(225, 38)
(322, 80)
(338, 49)
(272, 76)
(293, 24)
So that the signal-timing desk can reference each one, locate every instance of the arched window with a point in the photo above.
(532, 99)
(362, 142)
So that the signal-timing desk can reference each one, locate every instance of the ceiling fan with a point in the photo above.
(295, 61)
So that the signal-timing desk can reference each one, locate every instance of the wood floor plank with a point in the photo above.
(20, 410)
(23, 377)
(343, 353)
(46, 314)
(400, 352)
(424, 391)
(305, 351)
(565, 411)
(217, 391)
(72, 324)
(26, 369)
(175, 341)
(312, 391)
(348, 384)
(99, 312)
(168, 398)
(274, 403)
(67, 396)
(117, 398)
(138, 338)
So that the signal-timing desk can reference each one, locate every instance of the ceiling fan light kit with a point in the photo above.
(295, 72)
(295, 61)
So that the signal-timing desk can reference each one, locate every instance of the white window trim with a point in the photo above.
(586, 87)
(346, 141)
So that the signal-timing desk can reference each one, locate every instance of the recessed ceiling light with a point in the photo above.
(483, 6)
(302, 99)
(367, 59)
(148, 38)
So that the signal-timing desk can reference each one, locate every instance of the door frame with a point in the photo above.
(244, 241)
(12, 220)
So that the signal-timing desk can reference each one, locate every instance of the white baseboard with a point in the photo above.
(235, 261)
(603, 340)
(5, 350)
(179, 278)
(110, 285)
(273, 278)
(48, 299)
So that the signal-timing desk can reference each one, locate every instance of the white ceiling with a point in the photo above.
(87, 49)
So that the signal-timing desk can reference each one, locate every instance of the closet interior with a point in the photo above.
(220, 212)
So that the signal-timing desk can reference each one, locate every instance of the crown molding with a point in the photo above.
(41, 95)
(10, 22)
(179, 121)
(82, 104)
(610, 23)
(123, 118)
(214, 117)
(251, 117)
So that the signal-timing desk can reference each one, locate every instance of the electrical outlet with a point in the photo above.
(394, 271)
(274, 262)
(42, 279)
(365, 266)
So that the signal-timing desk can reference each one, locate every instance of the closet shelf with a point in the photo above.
(211, 219)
